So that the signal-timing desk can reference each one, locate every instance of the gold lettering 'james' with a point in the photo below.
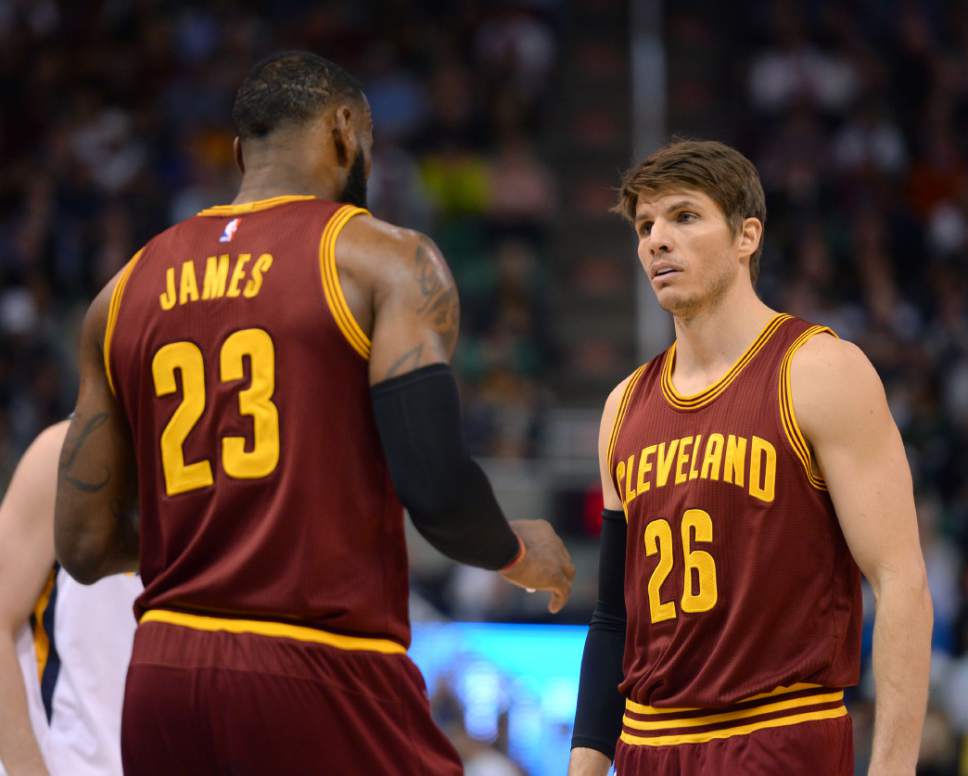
(738, 578)
(182, 286)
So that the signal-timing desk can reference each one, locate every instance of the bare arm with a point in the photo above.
(26, 558)
(405, 290)
(842, 409)
(586, 761)
(415, 314)
(94, 533)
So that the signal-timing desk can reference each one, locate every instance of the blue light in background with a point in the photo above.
(527, 672)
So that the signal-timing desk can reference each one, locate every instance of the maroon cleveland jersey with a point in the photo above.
(264, 492)
(739, 585)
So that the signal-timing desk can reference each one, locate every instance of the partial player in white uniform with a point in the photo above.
(93, 630)
(64, 647)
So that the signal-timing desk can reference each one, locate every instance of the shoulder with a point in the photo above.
(98, 312)
(365, 237)
(833, 382)
(825, 363)
(614, 402)
(389, 255)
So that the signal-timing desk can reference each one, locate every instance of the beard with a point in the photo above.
(354, 192)
(688, 305)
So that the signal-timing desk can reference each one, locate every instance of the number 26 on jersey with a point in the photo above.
(699, 589)
(255, 401)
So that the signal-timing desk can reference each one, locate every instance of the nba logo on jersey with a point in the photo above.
(230, 228)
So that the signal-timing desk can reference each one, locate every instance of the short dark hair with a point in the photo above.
(290, 87)
(714, 168)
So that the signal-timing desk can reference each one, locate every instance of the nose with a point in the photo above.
(659, 238)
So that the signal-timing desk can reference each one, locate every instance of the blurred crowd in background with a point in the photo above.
(116, 124)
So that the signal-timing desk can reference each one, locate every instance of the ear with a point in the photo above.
(237, 150)
(344, 135)
(750, 235)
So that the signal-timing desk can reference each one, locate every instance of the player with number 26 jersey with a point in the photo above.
(738, 580)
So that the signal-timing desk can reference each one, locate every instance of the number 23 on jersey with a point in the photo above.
(255, 401)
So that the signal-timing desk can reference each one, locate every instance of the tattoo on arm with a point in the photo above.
(407, 362)
(72, 449)
(440, 304)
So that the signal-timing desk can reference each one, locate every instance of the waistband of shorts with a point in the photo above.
(792, 705)
(274, 629)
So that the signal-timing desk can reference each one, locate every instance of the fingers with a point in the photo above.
(568, 568)
(561, 591)
(557, 602)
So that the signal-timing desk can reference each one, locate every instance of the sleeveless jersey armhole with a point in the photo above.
(616, 427)
(788, 419)
(38, 623)
(113, 309)
(45, 642)
(332, 290)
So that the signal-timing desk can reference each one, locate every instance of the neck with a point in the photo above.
(275, 172)
(710, 340)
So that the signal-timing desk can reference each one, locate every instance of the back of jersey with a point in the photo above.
(264, 492)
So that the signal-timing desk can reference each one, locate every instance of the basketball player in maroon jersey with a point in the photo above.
(267, 379)
(748, 472)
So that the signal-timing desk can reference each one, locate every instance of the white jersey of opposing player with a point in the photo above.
(79, 687)
(93, 631)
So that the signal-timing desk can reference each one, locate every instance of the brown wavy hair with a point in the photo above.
(714, 168)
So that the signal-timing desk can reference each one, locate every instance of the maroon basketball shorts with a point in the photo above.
(203, 700)
(795, 731)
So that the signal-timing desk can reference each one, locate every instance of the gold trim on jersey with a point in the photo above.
(616, 424)
(620, 414)
(769, 708)
(799, 707)
(638, 708)
(253, 207)
(711, 735)
(113, 309)
(788, 417)
(332, 290)
(41, 636)
(274, 629)
(698, 400)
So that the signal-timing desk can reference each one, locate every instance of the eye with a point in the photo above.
(644, 228)
(686, 217)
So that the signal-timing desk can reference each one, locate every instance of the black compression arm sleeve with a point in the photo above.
(598, 718)
(447, 494)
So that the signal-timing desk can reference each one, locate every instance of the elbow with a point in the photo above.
(79, 558)
(922, 592)
(438, 494)
(81, 569)
(431, 506)
(927, 605)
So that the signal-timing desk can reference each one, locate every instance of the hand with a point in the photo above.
(546, 564)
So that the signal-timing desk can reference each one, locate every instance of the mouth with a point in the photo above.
(663, 271)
